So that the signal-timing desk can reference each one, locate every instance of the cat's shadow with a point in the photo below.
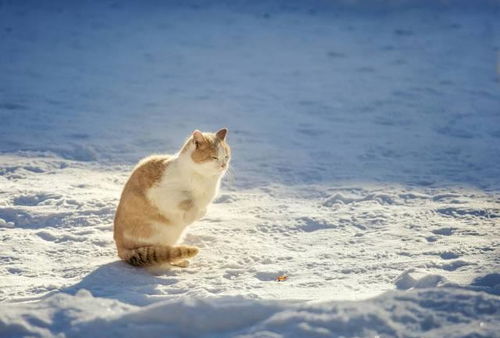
(128, 284)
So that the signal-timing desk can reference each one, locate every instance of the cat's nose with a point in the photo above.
(223, 165)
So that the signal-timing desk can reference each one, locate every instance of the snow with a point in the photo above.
(437, 312)
(366, 147)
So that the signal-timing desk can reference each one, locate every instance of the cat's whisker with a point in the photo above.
(230, 177)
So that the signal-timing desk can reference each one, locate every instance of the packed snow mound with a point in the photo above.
(437, 312)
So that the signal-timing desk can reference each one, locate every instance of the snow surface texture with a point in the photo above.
(366, 147)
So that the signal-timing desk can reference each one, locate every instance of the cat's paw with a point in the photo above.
(181, 264)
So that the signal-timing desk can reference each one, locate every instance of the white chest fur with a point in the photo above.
(178, 184)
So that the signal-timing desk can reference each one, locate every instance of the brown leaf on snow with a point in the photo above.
(281, 278)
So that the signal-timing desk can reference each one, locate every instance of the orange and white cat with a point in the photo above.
(165, 194)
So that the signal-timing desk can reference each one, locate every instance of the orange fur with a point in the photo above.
(134, 212)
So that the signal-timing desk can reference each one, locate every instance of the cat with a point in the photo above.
(166, 193)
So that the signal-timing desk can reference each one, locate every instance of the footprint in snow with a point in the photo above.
(444, 231)
(35, 199)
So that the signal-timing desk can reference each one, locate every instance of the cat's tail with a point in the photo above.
(150, 255)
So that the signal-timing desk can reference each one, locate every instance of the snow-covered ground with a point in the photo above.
(366, 166)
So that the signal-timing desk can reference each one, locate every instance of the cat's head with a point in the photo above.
(209, 152)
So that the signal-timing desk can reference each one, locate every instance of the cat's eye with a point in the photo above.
(226, 157)
(214, 158)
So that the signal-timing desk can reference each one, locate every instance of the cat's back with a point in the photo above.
(134, 210)
(146, 173)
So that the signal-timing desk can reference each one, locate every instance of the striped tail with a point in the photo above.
(150, 255)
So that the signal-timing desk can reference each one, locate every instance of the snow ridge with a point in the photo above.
(427, 312)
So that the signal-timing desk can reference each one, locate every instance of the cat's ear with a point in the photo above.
(197, 137)
(221, 134)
